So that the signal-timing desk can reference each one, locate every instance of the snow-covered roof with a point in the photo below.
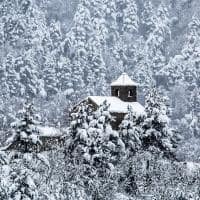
(117, 105)
(46, 131)
(124, 80)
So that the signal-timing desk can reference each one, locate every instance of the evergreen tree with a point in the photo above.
(22, 185)
(147, 19)
(55, 35)
(100, 26)
(25, 129)
(28, 74)
(190, 54)
(110, 10)
(178, 103)
(156, 42)
(130, 20)
(50, 79)
(96, 71)
(157, 133)
(3, 84)
(190, 49)
(12, 78)
(23, 176)
(195, 101)
(64, 74)
(79, 124)
(111, 141)
(151, 58)
(94, 149)
(172, 73)
(78, 39)
(183, 68)
(143, 72)
(131, 132)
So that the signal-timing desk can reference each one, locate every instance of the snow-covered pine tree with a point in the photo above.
(191, 47)
(108, 151)
(147, 21)
(112, 145)
(50, 76)
(94, 150)
(130, 19)
(25, 131)
(76, 149)
(23, 176)
(96, 72)
(191, 52)
(64, 73)
(156, 42)
(183, 69)
(78, 128)
(195, 101)
(131, 132)
(22, 185)
(143, 69)
(28, 74)
(52, 59)
(98, 13)
(3, 84)
(12, 78)
(152, 56)
(77, 48)
(127, 24)
(172, 73)
(23, 172)
(81, 119)
(191, 120)
(110, 10)
(158, 136)
(55, 35)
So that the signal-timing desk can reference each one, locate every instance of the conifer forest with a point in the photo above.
(99, 100)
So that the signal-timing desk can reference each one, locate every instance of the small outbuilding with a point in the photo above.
(49, 138)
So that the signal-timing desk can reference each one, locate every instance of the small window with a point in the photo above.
(117, 92)
(130, 93)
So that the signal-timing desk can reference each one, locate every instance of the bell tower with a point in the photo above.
(124, 88)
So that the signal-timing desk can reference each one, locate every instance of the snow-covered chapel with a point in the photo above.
(123, 95)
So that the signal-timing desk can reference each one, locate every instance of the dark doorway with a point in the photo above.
(117, 92)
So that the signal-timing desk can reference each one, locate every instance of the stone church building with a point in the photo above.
(123, 94)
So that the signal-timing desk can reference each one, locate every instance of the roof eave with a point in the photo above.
(130, 85)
